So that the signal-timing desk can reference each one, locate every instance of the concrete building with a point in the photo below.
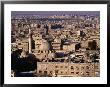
(56, 44)
(69, 47)
(69, 69)
(23, 45)
(42, 49)
(65, 45)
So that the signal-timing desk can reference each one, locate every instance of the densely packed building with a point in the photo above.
(62, 45)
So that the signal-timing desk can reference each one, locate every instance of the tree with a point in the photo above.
(92, 45)
(23, 64)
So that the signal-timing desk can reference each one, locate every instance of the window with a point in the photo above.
(77, 68)
(48, 51)
(87, 67)
(61, 66)
(96, 67)
(19, 43)
(56, 71)
(72, 72)
(87, 73)
(41, 51)
(40, 71)
(65, 66)
(61, 71)
(56, 66)
(45, 72)
(50, 72)
(37, 46)
(82, 67)
(45, 55)
(77, 72)
(82, 73)
(72, 67)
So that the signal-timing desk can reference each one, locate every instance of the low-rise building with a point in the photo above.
(69, 69)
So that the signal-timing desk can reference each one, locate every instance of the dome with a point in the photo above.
(23, 54)
(44, 45)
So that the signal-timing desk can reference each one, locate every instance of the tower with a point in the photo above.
(46, 27)
(30, 41)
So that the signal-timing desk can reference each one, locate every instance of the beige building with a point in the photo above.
(84, 43)
(13, 47)
(68, 69)
(23, 44)
(56, 44)
(42, 49)
(69, 47)
(96, 38)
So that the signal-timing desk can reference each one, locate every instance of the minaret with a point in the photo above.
(30, 43)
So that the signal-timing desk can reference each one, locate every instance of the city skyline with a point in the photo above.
(51, 13)
(68, 46)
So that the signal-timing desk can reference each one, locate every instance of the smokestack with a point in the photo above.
(30, 43)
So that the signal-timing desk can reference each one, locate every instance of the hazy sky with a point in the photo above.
(50, 13)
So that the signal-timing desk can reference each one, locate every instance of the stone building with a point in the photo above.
(13, 47)
(69, 46)
(96, 38)
(56, 44)
(23, 45)
(42, 49)
(68, 69)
